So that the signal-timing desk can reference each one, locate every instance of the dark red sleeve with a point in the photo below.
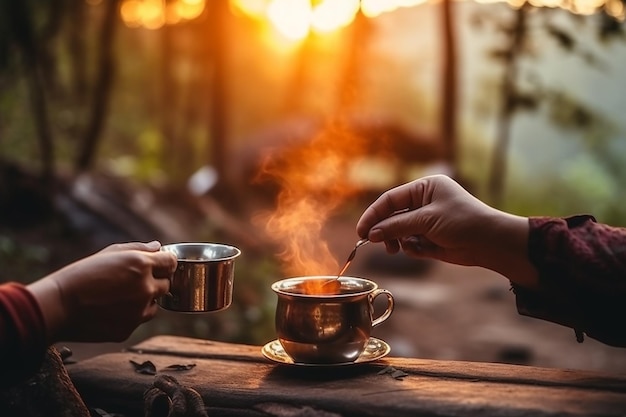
(582, 276)
(22, 334)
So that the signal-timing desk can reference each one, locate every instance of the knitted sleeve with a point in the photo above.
(22, 334)
(582, 277)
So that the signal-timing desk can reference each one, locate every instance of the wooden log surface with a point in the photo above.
(236, 380)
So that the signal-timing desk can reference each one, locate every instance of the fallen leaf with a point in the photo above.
(145, 368)
(398, 374)
(179, 367)
(395, 373)
(99, 412)
(386, 370)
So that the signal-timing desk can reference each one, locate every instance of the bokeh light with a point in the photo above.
(153, 14)
(295, 19)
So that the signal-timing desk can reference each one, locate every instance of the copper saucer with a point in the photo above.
(374, 350)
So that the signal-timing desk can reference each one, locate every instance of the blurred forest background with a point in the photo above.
(271, 124)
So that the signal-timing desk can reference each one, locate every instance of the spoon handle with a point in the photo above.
(352, 255)
(361, 243)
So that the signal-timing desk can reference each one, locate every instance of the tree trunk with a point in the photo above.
(218, 119)
(297, 81)
(448, 119)
(21, 29)
(349, 83)
(76, 47)
(508, 99)
(171, 155)
(102, 88)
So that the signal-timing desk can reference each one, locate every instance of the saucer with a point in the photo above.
(375, 349)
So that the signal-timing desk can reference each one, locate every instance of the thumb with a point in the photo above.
(147, 247)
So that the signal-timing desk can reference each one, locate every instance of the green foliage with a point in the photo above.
(580, 186)
(21, 261)
(571, 114)
(527, 33)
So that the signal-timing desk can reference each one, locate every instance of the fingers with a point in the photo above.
(419, 246)
(398, 226)
(392, 246)
(164, 264)
(161, 287)
(406, 197)
(150, 312)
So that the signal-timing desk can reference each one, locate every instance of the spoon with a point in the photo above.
(351, 256)
(348, 261)
(358, 245)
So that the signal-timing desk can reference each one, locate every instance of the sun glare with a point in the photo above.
(295, 19)
(616, 8)
(331, 15)
(251, 8)
(290, 17)
(153, 14)
(189, 9)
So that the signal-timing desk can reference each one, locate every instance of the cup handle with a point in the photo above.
(390, 305)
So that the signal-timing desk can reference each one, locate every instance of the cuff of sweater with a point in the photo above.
(548, 307)
(560, 298)
(24, 329)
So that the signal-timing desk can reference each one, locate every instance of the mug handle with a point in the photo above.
(390, 305)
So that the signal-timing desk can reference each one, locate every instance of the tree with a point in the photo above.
(449, 88)
(34, 32)
(515, 98)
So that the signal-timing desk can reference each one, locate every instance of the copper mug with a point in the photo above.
(327, 328)
(203, 279)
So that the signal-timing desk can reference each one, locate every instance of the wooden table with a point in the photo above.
(237, 380)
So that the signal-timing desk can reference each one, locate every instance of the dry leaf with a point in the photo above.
(179, 367)
(395, 373)
(145, 368)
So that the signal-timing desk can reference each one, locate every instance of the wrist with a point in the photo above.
(48, 295)
(507, 251)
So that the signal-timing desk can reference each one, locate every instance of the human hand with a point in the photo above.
(443, 221)
(105, 296)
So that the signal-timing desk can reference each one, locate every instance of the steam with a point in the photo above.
(314, 182)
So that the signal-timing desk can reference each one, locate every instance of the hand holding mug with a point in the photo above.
(105, 296)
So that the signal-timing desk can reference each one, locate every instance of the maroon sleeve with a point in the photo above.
(582, 276)
(22, 334)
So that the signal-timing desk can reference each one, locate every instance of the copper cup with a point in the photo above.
(204, 276)
(327, 328)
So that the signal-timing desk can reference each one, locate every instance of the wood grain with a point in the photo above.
(236, 380)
